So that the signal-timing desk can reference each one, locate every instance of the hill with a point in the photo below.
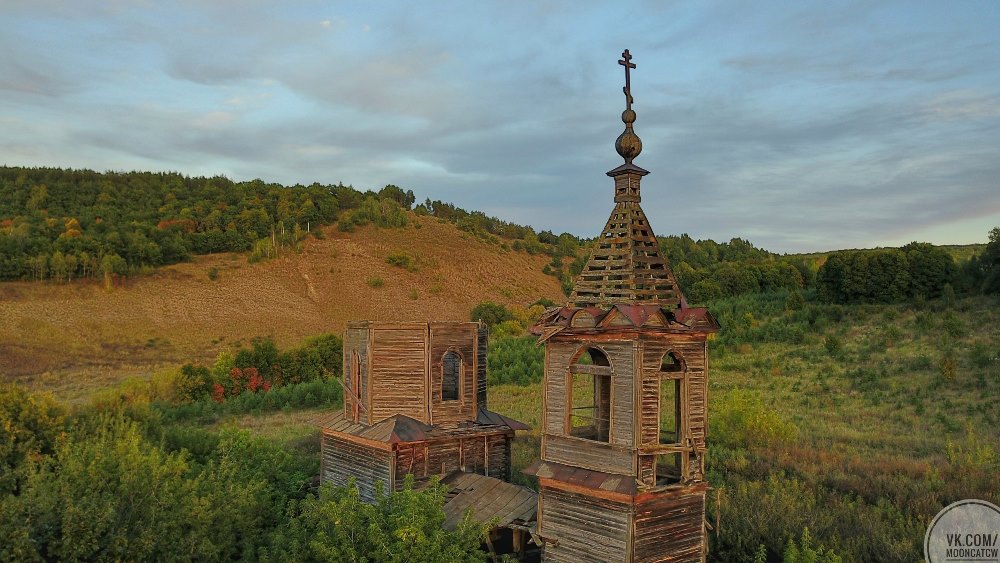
(75, 337)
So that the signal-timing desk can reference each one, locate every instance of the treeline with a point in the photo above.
(707, 270)
(59, 225)
(918, 270)
(120, 485)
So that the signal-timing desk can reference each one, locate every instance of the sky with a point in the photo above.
(799, 126)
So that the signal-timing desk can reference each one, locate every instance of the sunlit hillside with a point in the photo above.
(71, 337)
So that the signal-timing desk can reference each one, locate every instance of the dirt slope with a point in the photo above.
(74, 337)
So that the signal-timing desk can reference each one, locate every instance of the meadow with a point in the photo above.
(858, 422)
(854, 422)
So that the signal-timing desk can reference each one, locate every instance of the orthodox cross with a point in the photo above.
(626, 61)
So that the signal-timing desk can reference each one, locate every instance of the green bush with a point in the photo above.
(517, 360)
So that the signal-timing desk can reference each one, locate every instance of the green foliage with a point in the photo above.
(989, 264)
(741, 417)
(401, 526)
(916, 271)
(517, 360)
(64, 224)
(804, 552)
(386, 213)
(375, 282)
(795, 301)
(30, 425)
(402, 260)
(490, 313)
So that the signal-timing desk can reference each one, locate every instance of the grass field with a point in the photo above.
(858, 422)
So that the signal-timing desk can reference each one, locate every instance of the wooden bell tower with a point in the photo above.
(621, 475)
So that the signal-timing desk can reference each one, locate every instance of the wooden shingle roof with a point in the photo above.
(487, 498)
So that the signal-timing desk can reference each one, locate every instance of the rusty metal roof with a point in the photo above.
(682, 319)
(402, 429)
(487, 498)
(496, 419)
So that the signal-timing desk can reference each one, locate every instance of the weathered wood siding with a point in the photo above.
(398, 371)
(343, 460)
(459, 338)
(588, 454)
(670, 526)
(356, 342)
(692, 353)
(587, 528)
(558, 357)
(622, 357)
(486, 455)
(482, 344)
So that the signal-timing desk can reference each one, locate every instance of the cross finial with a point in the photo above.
(626, 61)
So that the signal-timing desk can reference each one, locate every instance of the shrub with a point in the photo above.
(740, 418)
(375, 282)
(795, 301)
(834, 346)
(517, 360)
(490, 313)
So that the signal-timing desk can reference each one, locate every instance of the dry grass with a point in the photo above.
(78, 337)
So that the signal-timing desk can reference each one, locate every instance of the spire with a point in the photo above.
(626, 265)
(628, 143)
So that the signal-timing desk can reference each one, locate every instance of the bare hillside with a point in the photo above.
(74, 337)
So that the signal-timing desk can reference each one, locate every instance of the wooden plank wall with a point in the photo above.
(482, 343)
(558, 356)
(670, 527)
(343, 460)
(398, 368)
(460, 338)
(692, 352)
(587, 529)
(597, 456)
(622, 357)
(474, 454)
(356, 341)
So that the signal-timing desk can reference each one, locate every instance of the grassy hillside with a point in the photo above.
(858, 422)
(73, 338)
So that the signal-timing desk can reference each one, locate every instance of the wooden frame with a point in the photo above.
(594, 371)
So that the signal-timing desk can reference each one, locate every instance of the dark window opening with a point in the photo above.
(451, 368)
(668, 469)
(590, 396)
(670, 410)
(671, 363)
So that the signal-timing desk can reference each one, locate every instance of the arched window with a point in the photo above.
(590, 396)
(451, 370)
(671, 362)
(668, 465)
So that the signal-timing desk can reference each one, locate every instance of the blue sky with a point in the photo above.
(799, 126)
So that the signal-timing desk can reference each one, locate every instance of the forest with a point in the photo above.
(850, 390)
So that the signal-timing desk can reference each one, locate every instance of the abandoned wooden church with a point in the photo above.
(624, 412)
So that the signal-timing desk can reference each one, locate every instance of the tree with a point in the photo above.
(404, 525)
(490, 313)
(990, 263)
(31, 425)
(931, 268)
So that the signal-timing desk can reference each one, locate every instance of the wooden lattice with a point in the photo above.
(626, 265)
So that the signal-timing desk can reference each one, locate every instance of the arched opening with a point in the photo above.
(671, 419)
(451, 370)
(671, 363)
(589, 400)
